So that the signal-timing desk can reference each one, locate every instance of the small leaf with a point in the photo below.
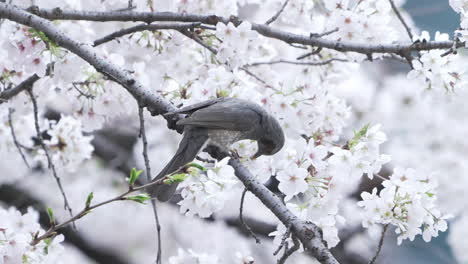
(139, 198)
(48, 242)
(89, 199)
(176, 178)
(196, 165)
(50, 213)
(429, 194)
(134, 174)
(358, 135)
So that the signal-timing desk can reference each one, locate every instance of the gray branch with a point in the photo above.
(400, 17)
(309, 234)
(303, 63)
(273, 18)
(148, 178)
(265, 30)
(24, 85)
(142, 27)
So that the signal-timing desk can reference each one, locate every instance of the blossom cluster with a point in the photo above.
(408, 202)
(461, 7)
(16, 233)
(236, 42)
(319, 176)
(435, 69)
(67, 145)
(205, 192)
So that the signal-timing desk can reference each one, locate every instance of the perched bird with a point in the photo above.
(220, 122)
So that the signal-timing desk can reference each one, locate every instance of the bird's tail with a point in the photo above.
(191, 144)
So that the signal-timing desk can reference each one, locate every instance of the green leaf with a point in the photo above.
(196, 165)
(51, 45)
(176, 178)
(89, 199)
(50, 213)
(134, 174)
(25, 259)
(429, 194)
(358, 135)
(139, 198)
(47, 241)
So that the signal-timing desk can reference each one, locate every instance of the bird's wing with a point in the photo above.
(191, 144)
(228, 115)
(192, 108)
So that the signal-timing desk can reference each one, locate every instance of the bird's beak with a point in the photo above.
(255, 156)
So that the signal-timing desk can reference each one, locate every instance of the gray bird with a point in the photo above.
(220, 122)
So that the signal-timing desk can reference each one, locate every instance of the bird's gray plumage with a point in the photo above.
(220, 122)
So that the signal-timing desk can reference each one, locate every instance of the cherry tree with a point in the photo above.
(369, 156)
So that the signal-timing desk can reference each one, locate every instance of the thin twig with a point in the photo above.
(312, 63)
(194, 36)
(379, 247)
(241, 218)
(326, 33)
(283, 240)
(453, 49)
(143, 27)
(273, 18)
(315, 52)
(258, 78)
(15, 140)
(86, 95)
(398, 14)
(44, 147)
(148, 177)
(289, 252)
(122, 197)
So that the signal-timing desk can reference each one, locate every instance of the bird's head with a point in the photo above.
(272, 139)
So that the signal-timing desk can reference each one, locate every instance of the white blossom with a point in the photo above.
(406, 202)
(67, 145)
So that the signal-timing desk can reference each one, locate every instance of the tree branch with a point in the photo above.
(273, 18)
(290, 251)
(148, 178)
(87, 209)
(24, 85)
(398, 14)
(142, 27)
(51, 164)
(241, 218)
(193, 35)
(265, 30)
(22, 200)
(15, 140)
(379, 247)
(308, 233)
(311, 63)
